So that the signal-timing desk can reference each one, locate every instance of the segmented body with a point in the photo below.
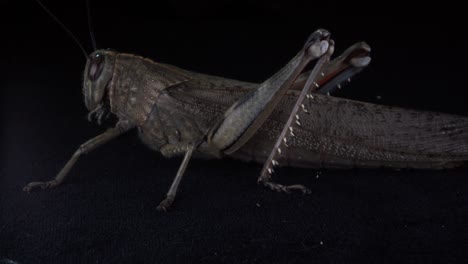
(173, 107)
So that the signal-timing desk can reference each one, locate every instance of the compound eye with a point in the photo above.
(95, 67)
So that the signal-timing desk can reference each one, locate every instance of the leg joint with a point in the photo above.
(83, 149)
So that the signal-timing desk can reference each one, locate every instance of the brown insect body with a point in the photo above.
(173, 107)
(151, 96)
(285, 120)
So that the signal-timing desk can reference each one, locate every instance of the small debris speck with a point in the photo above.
(321, 243)
(257, 204)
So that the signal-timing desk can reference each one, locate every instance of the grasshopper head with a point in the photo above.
(97, 76)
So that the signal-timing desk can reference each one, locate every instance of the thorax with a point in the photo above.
(139, 93)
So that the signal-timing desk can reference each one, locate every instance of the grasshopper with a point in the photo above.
(290, 119)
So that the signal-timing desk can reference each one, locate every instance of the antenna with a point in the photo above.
(70, 34)
(90, 26)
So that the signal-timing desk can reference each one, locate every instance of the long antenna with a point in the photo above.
(90, 26)
(64, 28)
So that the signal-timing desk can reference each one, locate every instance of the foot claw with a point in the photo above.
(285, 188)
(300, 188)
(162, 207)
(43, 185)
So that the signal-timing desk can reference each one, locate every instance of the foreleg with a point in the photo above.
(87, 147)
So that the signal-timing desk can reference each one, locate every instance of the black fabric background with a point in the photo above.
(106, 211)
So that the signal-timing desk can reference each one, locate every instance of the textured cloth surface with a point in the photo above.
(107, 213)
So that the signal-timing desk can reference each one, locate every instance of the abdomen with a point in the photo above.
(340, 133)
